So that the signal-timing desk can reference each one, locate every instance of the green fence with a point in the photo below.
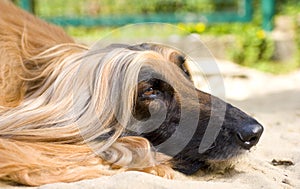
(223, 11)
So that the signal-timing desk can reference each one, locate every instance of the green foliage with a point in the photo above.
(117, 7)
(288, 7)
(252, 44)
(251, 47)
(297, 32)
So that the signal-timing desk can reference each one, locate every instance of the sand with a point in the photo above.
(273, 163)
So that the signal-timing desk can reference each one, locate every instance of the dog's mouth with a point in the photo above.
(222, 154)
(219, 153)
(215, 158)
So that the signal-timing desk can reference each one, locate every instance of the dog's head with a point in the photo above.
(179, 134)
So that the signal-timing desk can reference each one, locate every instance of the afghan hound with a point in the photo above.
(68, 112)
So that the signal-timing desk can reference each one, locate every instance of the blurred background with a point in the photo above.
(262, 34)
(255, 43)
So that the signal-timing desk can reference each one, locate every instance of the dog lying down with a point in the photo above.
(68, 113)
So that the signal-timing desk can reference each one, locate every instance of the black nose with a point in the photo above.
(248, 136)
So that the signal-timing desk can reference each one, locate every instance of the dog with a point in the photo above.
(69, 113)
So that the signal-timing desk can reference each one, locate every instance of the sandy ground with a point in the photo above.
(275, 102)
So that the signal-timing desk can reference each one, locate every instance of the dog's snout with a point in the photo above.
(249, 135)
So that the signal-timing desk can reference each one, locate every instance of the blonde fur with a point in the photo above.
(58, 99)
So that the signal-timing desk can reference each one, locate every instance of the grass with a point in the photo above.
(127, 33)
(88, 34)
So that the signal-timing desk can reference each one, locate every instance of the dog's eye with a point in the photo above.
(148, 91)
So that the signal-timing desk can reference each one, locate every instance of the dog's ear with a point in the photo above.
(180, 61)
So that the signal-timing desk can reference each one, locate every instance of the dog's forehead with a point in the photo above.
(175, 55)
(146, 75)
(169, 53)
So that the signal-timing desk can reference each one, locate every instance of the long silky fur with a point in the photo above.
(58, 112)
